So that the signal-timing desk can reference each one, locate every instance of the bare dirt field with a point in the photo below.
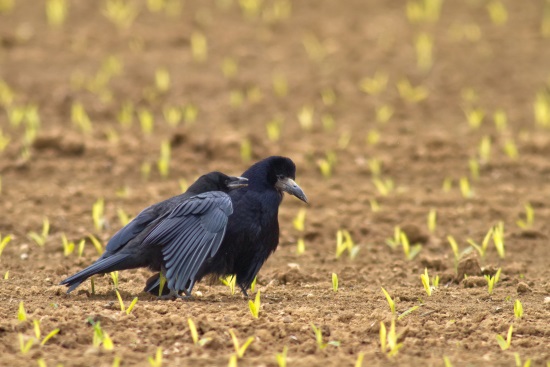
(407, 112)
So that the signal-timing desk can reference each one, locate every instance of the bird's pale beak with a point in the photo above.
(288, 185)
(237, 182)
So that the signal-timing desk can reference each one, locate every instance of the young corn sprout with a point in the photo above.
(69, 246)
(424, 51)
(497, 12)
(21, 313)
(299, 220)
(280, 85)
(25, 346)
(145, 170)
(485, 149)
(492, 281)
(146, 121)
(319, 338)
(4, 242)
(163, 163)
(334, 282)
(505, 344)
(246, 150)
(391, 303)
(344, 242)
(123, 217)
(230, 281)
(240, 349)
(120, 12)
(314, 47)
(359, 360)
(473, 165)
(457, 254)
(41, 238)
(273, 129)
(162, 80)
(410, 251)
(425, 278)
(100, 337)
(518, 309)
(96, 243)
(56, 12)
(465, 188)
(432, 220)
(510, 149)
(173, 115)
(541, 106)
(527, 362)
(447, 184)
(384, 186)
(384, 113)
(38, 333)
(388, 340)
(190, 113)
(474, 116)
(423, 11)
(254, 306)
(122, 306)
(305, 117)
(195, 334)
(156, 361)
(281, 357)
(498, 239)
(125, 116)
(374, 206)
(523, 224)
(199, 46)
(482, 249)
(411, 94)
(300, 246)
(396, 240)
(500, 119)
(375, 85)
(98, 215)
(373, 137)
(114, 277)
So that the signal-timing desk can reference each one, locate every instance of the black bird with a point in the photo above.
(252, 232)
(175, 235)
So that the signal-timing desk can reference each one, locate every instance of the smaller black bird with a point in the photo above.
(186, 227)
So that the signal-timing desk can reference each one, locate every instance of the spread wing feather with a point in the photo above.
(191, 234)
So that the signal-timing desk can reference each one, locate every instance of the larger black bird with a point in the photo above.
(252, 232)
(175, 235)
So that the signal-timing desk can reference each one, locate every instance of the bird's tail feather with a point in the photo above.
(105, 265)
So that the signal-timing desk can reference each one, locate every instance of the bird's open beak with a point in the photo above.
(237, 182)
(288, 185)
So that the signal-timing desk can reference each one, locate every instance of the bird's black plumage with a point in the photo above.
(175, 235)
(252, 232)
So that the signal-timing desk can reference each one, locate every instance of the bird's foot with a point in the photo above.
(245, 293)
(175, 295)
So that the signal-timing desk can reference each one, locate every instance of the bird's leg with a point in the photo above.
(245, 293)
(175, 295)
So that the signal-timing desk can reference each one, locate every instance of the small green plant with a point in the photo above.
(69, 246)
(254, 306)
(122, 306)
(456, 252)
(344, 242)
(25, 346)
(529, 217)
(391, 303)
(195, 334)
(359, 360)
(527, 362)
(162, 283)
(410, 251)
(334, 282)
(253, 284)
(300, 246)
(246, 150)
(474, 116)
(473, 165)
(41, 238)
(465, 188)
(56, 12)
(299, 220)
(120, 12)
(98, 216)
(114, 278)
(505, 344)
(96, 243)
(498, 239)
(240, 349)
(383, 185)
(21, 313)
(425, 278)
(38, 333)
(482, 249)
(156, 361)
(80, 118)
(485, 149)
(388, 340)
(163, 162)
(375, 85)
(396, 240)
(411, 94)
(281, 357)
(424, 51)
(384, 113)
(305, 117)
(447, 185)
(497, 12)
(518, 309)
(146, 121)
(408, 312)
(447, 362)
(162, 80)
(199, 46)
(319, 338)
(230, 281)
(510, 149)
(432, 220)
(100, 337)
(4, 242)
(492, 281)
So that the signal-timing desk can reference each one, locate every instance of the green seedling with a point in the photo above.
(497, 12)
(80, 118)
(156, 361)
(246, 150)
(100, 337)
(21, 313)
(229, 67)
(388, 341)
(145, 170)
(485, 149)
(41, 238)
(273, 129)
(314, 47)
(411, 94)
(240, 349)
(199, 46)
(344, 242)
(334, 282)
(300, 246)
(328, 122)
(25, 346)
(69, 246)
(56, 12)
(424, 51)
(523, 224)
(408, 312)
(6, 6)
(344, 140)
(474, 116)
(483, 248)
(510, 149)
(373, 137)
(299, 220)
(473, 165)
(253, 284)
(359, 360)
(125, 116)
(123, 217)
(172, 115)
(97, 245)
(527, 362)
(38, 333)
(498, 239)
(281, 357)
(384, 113)
(492, 281)
(541, 106)
(384, 186)
(155, 6)
(505, 344)
(195, 334)
(7, 275)
(501, 120)
(305, 118)
(375, 85)
(410, 251)
(518, 309)
(325, 167)
(120, 12)
(396, 240)
(116, 361)
(280, 85)
(114, 277)
(230, 281)
(146, 121)
(162, 80)
(41, 362)
(432, 220)
(319, 338)
(254, 306)
(190, 113)
(423, 11)
(4, 242)
(435, 281)
(447, 362)
(390, 301)
(425, 278)
(374, 206)
(375, 166)
(236, 98)
(465, 188)
(98, 216)
(162, 283)
(81, 246)
(163, 163)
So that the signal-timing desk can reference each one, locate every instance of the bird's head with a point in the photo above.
(217, 181)
(281, 174)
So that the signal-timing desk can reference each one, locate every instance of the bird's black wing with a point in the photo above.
(189, 235)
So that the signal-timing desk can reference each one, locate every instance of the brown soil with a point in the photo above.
(421, 145)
